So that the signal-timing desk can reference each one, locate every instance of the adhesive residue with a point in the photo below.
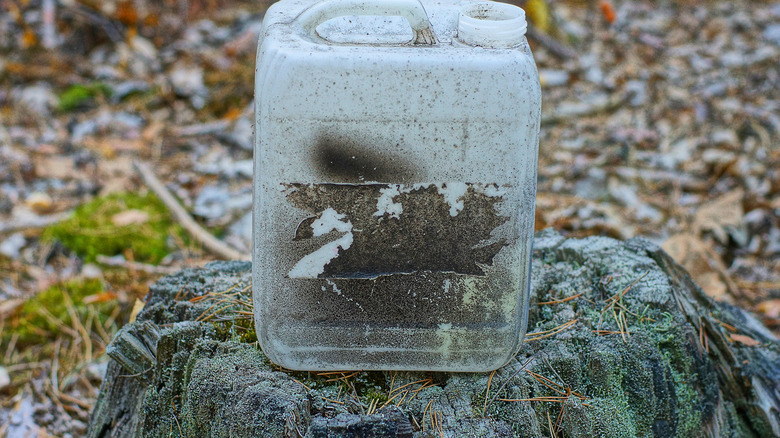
(312, 265)
(385, 204)
(453, 195)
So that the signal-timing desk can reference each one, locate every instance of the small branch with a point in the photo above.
(554, 46)
(501, 388)
(121, 262)
(33, 222)
(201, 128)
(48, 12)
(586, 109)
(184, 219)
(113, 29)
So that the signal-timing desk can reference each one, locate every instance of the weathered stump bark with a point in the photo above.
(623, 344)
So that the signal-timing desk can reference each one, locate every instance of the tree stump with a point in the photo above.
(621, 343)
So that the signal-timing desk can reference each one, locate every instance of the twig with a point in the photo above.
(331, 400)
(113, 29)
(586, 110)
(48, 12)
(487, 392)
(137, 374)
(393, 398)
(500, 388)
(563, 300)
(554, 46)
(302, 384)
(9, 306)
(33, 222)
(201, 128)
(183, 218)
(119, 261)
(71, 399)
(535, 336)
(25, 366)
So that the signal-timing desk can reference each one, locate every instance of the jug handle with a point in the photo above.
(411, 10)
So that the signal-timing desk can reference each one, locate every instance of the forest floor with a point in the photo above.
(660, 119)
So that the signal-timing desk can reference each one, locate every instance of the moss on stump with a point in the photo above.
(621, 344)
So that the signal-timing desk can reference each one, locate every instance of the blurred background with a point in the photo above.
(661, 119)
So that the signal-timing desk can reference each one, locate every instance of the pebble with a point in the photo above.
(773, 242)
(187, 81)
(553, 78)
(91, 271)
(122, 124)
(624, 194)
(124, 89)
(40, 202)
(242, 135)
(12, 246)
(717, 156)
(143, 47)
(214, 202)
(243, 228)
(37, 98)
(83, 129)
(5, 378)
(638, 92)
(227, 167)
(594, 186)
(725, 137)
(757, 219)
(595, 75)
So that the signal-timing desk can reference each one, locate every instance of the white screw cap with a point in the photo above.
(492, 25)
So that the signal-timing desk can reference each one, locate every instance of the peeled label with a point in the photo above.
(366, 231)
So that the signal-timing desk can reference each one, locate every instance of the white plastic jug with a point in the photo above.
(395, 181)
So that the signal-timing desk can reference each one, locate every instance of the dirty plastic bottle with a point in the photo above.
(395, 180)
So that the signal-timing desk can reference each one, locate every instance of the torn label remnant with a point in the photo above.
(385, 204)
(397, 229)
(313, 264)
(453, 194)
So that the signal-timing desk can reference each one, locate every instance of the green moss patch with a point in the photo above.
(78, 96)
(239, 329)
(92, 230)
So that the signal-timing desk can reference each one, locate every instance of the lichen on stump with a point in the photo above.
(621, 343)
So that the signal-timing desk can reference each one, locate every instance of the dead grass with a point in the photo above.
(535, 336)
(615, 306)
(564, 393)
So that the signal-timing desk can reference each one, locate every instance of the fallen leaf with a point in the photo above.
(712, 285)
(101, 297)
(137, 307)
(704, 264)
(56, 167)
(770, 308)
(747, 340)
(5, 379)
(153, 131)
(126, 12)
(608, 11)
(29, 39)
(130, 217)
(719, 213)
(539, 14)
(40, 203)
